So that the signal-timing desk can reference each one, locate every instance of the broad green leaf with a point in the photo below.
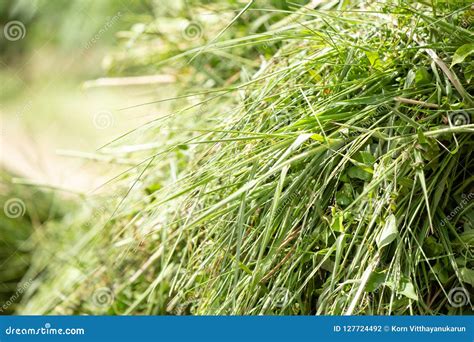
(337, 223)
(408, 290)
(366, 157)
(374, 58)
(152, 188)
(468, 237)
(422, 76)
(342, 199)
(467, 275)
(376, 279)
(462, 52)
(344, 196)
(432, 247)
(405, 287)
(318, 137)
(440, 270)
(389, 232)
(359, 173)
(421, 136)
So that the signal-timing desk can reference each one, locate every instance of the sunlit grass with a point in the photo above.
(320, 180)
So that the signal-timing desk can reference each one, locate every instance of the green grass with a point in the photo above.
(24, 212)
(318, 162)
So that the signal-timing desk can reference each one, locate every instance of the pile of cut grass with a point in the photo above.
(334, 178)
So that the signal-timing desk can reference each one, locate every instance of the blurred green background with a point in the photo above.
(45, 109)
(44, 106)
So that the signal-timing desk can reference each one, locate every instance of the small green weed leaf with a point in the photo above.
(318, 137)
(366, 157)
(374, 58)
(440, 270)
(421, 137)
(152, 188)
(432, 247)
(467, 275)
(462, 52)
(468, 237)
(376, 279)
(359, 173)
(407, 289)
(344, 196)
(389, 232)
(343, 200)
(337, 223)
(422, 76)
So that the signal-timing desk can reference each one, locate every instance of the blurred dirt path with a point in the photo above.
(34, 129)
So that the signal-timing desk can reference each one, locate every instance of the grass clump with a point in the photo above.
(330, 176)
